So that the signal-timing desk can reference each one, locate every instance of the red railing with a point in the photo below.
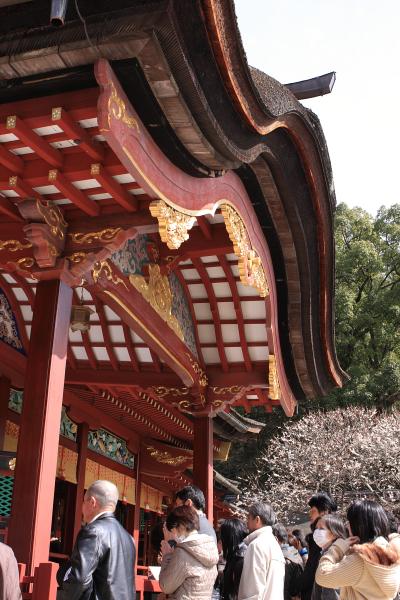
(42, 585)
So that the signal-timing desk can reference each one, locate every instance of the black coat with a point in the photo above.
(101, 565)
(305, 582)
(232, 573)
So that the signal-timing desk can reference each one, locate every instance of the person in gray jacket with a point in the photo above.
(191, 495)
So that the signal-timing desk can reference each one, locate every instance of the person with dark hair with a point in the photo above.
(191, 495)
(264, 566)
(328, 529)
(298, 540)
(188, 568)
(294, 562)
(320, 504)
(233, 532)
(366, 565)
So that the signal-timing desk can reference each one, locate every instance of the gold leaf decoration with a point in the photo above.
(233, 389)
(203, 379)
(251, 270)
(166, 458)
(173, 225)
(105, 235)
(53, 217)
(14, 245)
(162, 391)
(159, 295)
(117, 110)
(274, 391)
(77, 257)
(103, 268)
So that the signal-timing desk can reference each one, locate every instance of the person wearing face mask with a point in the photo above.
(320, 504)
(189, 558)
(328, 529)
(366, 566)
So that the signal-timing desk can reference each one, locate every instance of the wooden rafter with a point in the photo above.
(238, 308)
(214, 310)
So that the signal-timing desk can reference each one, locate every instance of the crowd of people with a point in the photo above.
(261, 559)
(255, 558)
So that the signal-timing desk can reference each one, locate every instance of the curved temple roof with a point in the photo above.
(184, 72)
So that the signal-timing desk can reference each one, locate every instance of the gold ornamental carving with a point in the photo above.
(14, 245)
(251, 270)
(25, 263)
(203, 379)
(173, 225)
(163, 391)
(54, 218)
(158, 294)
(166, 458)
(103, 268)
(274, 391)
(233, 389)
(105, 235)
(117, 110)
(76, 257)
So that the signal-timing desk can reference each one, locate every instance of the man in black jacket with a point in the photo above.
(320, 504)
(103, 559)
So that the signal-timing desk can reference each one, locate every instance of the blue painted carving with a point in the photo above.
(181, 310)
(15, 400)
(133, 256)
(68, 428)
(107, 444)
(9, 333)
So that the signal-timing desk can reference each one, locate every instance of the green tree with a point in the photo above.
(368, 305)
(367, 309)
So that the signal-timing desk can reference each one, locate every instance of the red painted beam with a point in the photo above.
(51, 155)
(124, 378)
(110, 185)
(72, 193)
(238, 308)
(29, 530)
(8, 209)
(23, 189)
(81, 104)
(13, 163)
(77, 133)
(199, 265)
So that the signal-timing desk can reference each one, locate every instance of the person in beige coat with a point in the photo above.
(9, 577)
(263, 572)
(366, 566)
(188, 568)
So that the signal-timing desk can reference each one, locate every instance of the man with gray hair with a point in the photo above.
(103, 559)
(264, 565)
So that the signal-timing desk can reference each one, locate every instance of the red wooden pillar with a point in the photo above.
(30, 526)
(136, 518)
(83, 431)
(5, 386)
(203, 450)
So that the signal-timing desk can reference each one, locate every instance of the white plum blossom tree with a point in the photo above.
(350, 453)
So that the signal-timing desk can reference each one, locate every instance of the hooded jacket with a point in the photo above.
(190, 570)
(362, 572)
(263, 568)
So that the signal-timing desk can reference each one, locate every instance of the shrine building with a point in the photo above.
(166, 260)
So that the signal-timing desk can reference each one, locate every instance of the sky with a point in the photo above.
(293, 40)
